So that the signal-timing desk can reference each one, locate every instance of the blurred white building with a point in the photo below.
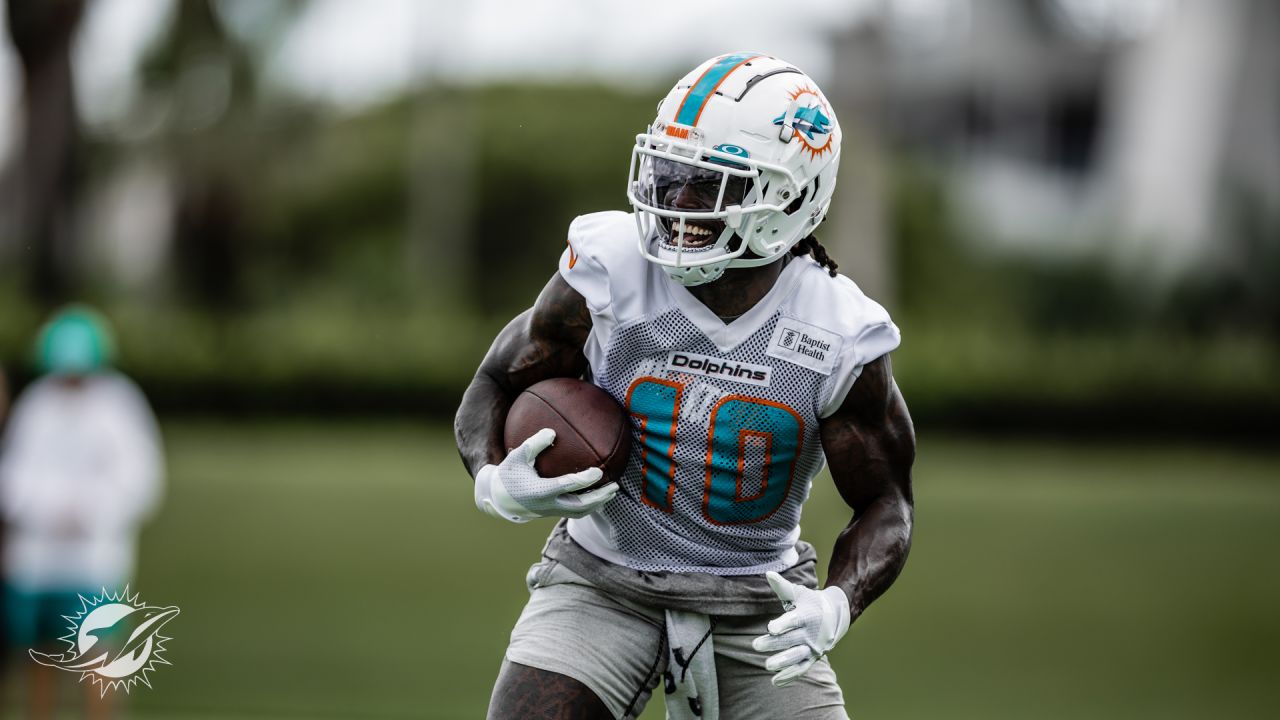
(1139, 130)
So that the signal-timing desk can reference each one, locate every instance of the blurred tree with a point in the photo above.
(537, 169)
(203, 75)
(42, 32)
(207, 76)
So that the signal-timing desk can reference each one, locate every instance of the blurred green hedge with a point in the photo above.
(377, 254)
(337, 358)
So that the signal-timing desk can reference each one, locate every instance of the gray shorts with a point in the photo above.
(616, 648)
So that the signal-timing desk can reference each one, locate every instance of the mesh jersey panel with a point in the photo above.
(720, 465)
(764, 446)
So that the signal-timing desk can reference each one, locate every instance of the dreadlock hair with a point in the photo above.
(811, 246)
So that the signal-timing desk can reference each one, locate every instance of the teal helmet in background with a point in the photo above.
(76, 341)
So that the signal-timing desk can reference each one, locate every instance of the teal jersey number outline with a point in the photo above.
(656, 405)
(735, 420)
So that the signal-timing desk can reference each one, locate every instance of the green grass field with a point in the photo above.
(341, 571)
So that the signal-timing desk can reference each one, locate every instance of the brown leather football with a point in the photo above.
(591, 428)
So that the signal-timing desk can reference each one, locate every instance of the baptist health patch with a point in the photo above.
(804, 345)
(693, 364)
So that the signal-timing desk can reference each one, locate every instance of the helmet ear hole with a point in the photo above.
(795, 204)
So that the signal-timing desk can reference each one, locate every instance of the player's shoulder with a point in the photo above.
(108, 388)
(836, 302)
(114, 390)
(116, 383)
(602, 261)
(33, 399)
(837, 305)
(607, 237)
(602, 222)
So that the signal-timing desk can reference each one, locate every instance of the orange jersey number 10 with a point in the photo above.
(740, 425)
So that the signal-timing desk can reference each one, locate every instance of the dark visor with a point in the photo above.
(679, 186)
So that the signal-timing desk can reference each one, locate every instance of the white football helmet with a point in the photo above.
(738, 167)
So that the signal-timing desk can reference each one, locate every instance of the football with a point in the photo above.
(591, 428)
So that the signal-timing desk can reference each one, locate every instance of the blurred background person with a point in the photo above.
(81, 469)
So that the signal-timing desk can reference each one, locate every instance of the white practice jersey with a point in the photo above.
(724, 417)
(80, 469)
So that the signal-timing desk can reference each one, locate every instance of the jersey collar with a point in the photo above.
(727, 336)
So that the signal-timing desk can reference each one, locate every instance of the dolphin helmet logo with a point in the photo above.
(809, 120)
(812, 121)
(114, 641)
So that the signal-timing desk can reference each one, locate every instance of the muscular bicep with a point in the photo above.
(870, 442)
(542, 342)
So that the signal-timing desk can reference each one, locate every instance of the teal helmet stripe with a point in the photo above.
(696, 98)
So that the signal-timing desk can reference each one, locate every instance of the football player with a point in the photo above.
(714, 317)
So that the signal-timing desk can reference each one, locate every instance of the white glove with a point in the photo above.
(514, 491)
(813, 623)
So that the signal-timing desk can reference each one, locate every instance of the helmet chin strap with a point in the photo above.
(703, 274)
(700, 273)
(694, 276)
